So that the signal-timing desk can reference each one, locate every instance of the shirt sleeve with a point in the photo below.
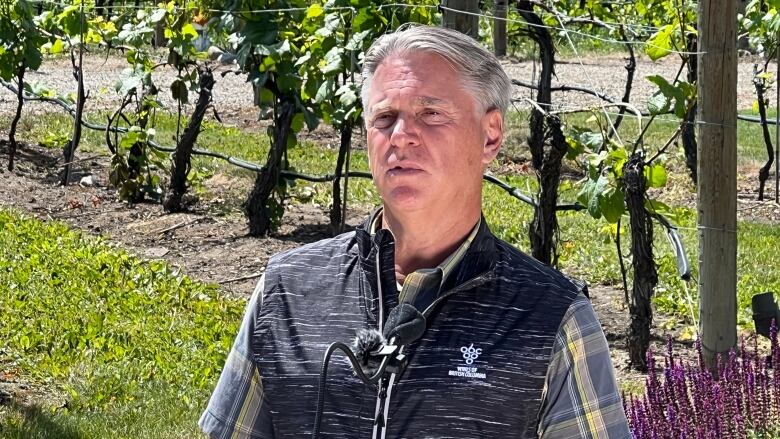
(581, 398)
(237, 409)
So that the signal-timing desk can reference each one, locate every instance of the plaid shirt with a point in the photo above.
(580, 397)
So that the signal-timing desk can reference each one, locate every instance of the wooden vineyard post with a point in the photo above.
(499, 28)
(717, 184)
(464, 23)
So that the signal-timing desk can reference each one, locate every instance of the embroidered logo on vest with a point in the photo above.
(470, 353)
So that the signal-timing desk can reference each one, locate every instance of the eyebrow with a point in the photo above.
(421, 101)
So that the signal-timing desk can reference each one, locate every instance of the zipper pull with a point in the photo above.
(380, 415)
(380, 420)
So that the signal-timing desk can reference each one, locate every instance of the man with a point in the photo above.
(511, 348)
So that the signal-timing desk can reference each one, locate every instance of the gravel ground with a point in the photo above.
(233, 95)
(607, 75)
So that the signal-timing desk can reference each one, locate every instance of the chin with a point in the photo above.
(405, 200)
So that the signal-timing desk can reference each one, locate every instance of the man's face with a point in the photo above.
(428, 142)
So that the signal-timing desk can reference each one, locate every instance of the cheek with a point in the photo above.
(467, 156)
(472, 163)
(377, 146)
(372, 145)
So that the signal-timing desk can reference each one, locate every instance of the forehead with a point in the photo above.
(417, 78)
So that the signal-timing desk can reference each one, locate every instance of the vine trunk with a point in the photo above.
(17, 116)
(689, 124)
(336, 213)
(544, 227)
(70, 146)
(181, 158)
(645, 275)
(257, 204)
(763, 173)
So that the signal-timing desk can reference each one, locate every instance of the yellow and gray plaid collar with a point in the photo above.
(424, 284)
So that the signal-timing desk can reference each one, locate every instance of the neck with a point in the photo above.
(425, 241)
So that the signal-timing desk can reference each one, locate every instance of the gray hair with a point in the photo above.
(481, 73)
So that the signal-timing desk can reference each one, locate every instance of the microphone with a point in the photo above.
(404, 325)
(365, 346)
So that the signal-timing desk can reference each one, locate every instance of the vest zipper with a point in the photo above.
(382, 412)
(380, 419)
(379, 290)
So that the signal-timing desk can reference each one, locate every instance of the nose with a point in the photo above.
(405, 132)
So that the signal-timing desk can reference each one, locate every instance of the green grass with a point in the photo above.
(160, 414)
(750, 141)
(135, 345)
(587, 251)
(253, 146)
(751, 138)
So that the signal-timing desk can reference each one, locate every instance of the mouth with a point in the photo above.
(397, 171)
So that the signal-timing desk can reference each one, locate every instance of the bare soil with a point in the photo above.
(210, 242)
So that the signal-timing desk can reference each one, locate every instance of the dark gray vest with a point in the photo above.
(477, 372)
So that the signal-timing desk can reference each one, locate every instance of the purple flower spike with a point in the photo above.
(687, 401)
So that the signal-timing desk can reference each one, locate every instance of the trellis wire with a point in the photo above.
(400, 5)
(560, 109)
(564, 29)
(248, 11)
(631, 26)
(514, 192)
(587, 76)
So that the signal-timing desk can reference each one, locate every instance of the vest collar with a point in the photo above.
(479, 258)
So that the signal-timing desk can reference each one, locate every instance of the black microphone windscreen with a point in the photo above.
(404, 323)
(367, 341)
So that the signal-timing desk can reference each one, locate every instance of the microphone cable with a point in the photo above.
(369, 381)
(404, 325)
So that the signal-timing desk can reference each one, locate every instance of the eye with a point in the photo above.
(383, 120)
(433, 117)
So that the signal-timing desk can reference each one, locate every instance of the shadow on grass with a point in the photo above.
(33, 422)
(46, 161)
(30, 153)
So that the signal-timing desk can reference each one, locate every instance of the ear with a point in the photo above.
(493, 130)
